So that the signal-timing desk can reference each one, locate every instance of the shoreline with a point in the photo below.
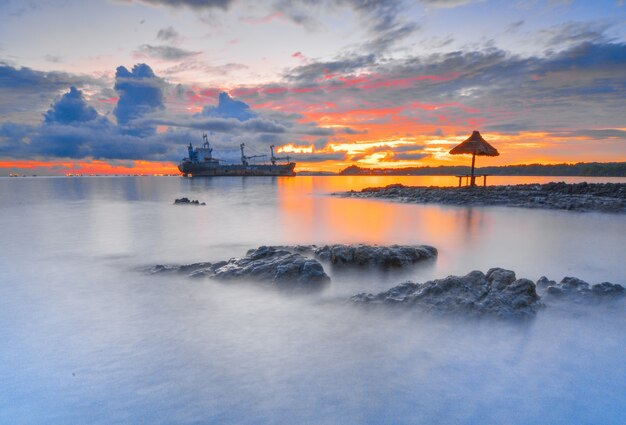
(582, 197)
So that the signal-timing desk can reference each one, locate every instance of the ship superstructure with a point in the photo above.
(200, 162)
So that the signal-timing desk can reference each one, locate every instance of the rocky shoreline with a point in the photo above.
(584, 197)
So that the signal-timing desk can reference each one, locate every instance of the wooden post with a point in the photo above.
(472, 181)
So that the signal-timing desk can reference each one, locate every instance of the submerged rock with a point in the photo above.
(572, 288)
(187, 201)
(498, 293)
(272, 265)
(187, 268)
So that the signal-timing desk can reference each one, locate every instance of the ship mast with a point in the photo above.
(244, 158)
(277, 158)
(207, 146)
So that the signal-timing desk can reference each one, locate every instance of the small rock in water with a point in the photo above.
(187, 268)
(187, 201)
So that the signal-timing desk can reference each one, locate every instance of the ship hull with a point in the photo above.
(201, 170)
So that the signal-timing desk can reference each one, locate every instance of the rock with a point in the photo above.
(605, 197)
(188, 268)
(272, 265)
(368, 255)
(574, 289)
(372, 255)
(187, 201)
(607, 289)
(498, 294)
(544, 282)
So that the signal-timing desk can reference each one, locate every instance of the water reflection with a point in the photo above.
(88, 339)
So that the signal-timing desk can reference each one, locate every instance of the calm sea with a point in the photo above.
(87, 337)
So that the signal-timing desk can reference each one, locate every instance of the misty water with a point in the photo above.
(88, 337)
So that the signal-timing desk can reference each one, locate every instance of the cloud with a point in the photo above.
(447, 3)
(140, 93)
(607, 133)
(227, 107)
(102, 141)
(414, 156)
(583, 85)
(316, 156)
(73, 129)
(168, 53)
(167, 34)
(53, 58)
(192, 4)
(569, 33)
(25, 93)
(385, 20)
(313, 72)
(70, 108)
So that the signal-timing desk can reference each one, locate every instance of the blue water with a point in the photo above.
(89, 338)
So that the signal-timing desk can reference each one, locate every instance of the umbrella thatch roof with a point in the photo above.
(475, 145)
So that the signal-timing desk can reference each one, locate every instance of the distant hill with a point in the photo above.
(589, 169)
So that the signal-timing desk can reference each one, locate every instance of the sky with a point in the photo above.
(122, 86)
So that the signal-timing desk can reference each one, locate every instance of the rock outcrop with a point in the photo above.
(572, 288)
(373, 255)
(498, 293)
(367, 255)
(271, 265)
(604, 197)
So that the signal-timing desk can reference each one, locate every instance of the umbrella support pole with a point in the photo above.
(472, 180)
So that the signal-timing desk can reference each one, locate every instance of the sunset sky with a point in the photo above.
(121, 86)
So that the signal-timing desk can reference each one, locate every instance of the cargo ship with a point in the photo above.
(200, 163)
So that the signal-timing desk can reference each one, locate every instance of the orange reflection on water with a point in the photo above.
(309, 215)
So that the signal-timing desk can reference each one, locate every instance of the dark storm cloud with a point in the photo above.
(169, 53)
(26, 93)
(70, 108)
(140, 92)
(28, 79)
(73, 129)
(102, 141)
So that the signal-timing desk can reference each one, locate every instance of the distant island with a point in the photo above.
(590, 169)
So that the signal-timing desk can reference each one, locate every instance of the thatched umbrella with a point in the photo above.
(474, 145)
